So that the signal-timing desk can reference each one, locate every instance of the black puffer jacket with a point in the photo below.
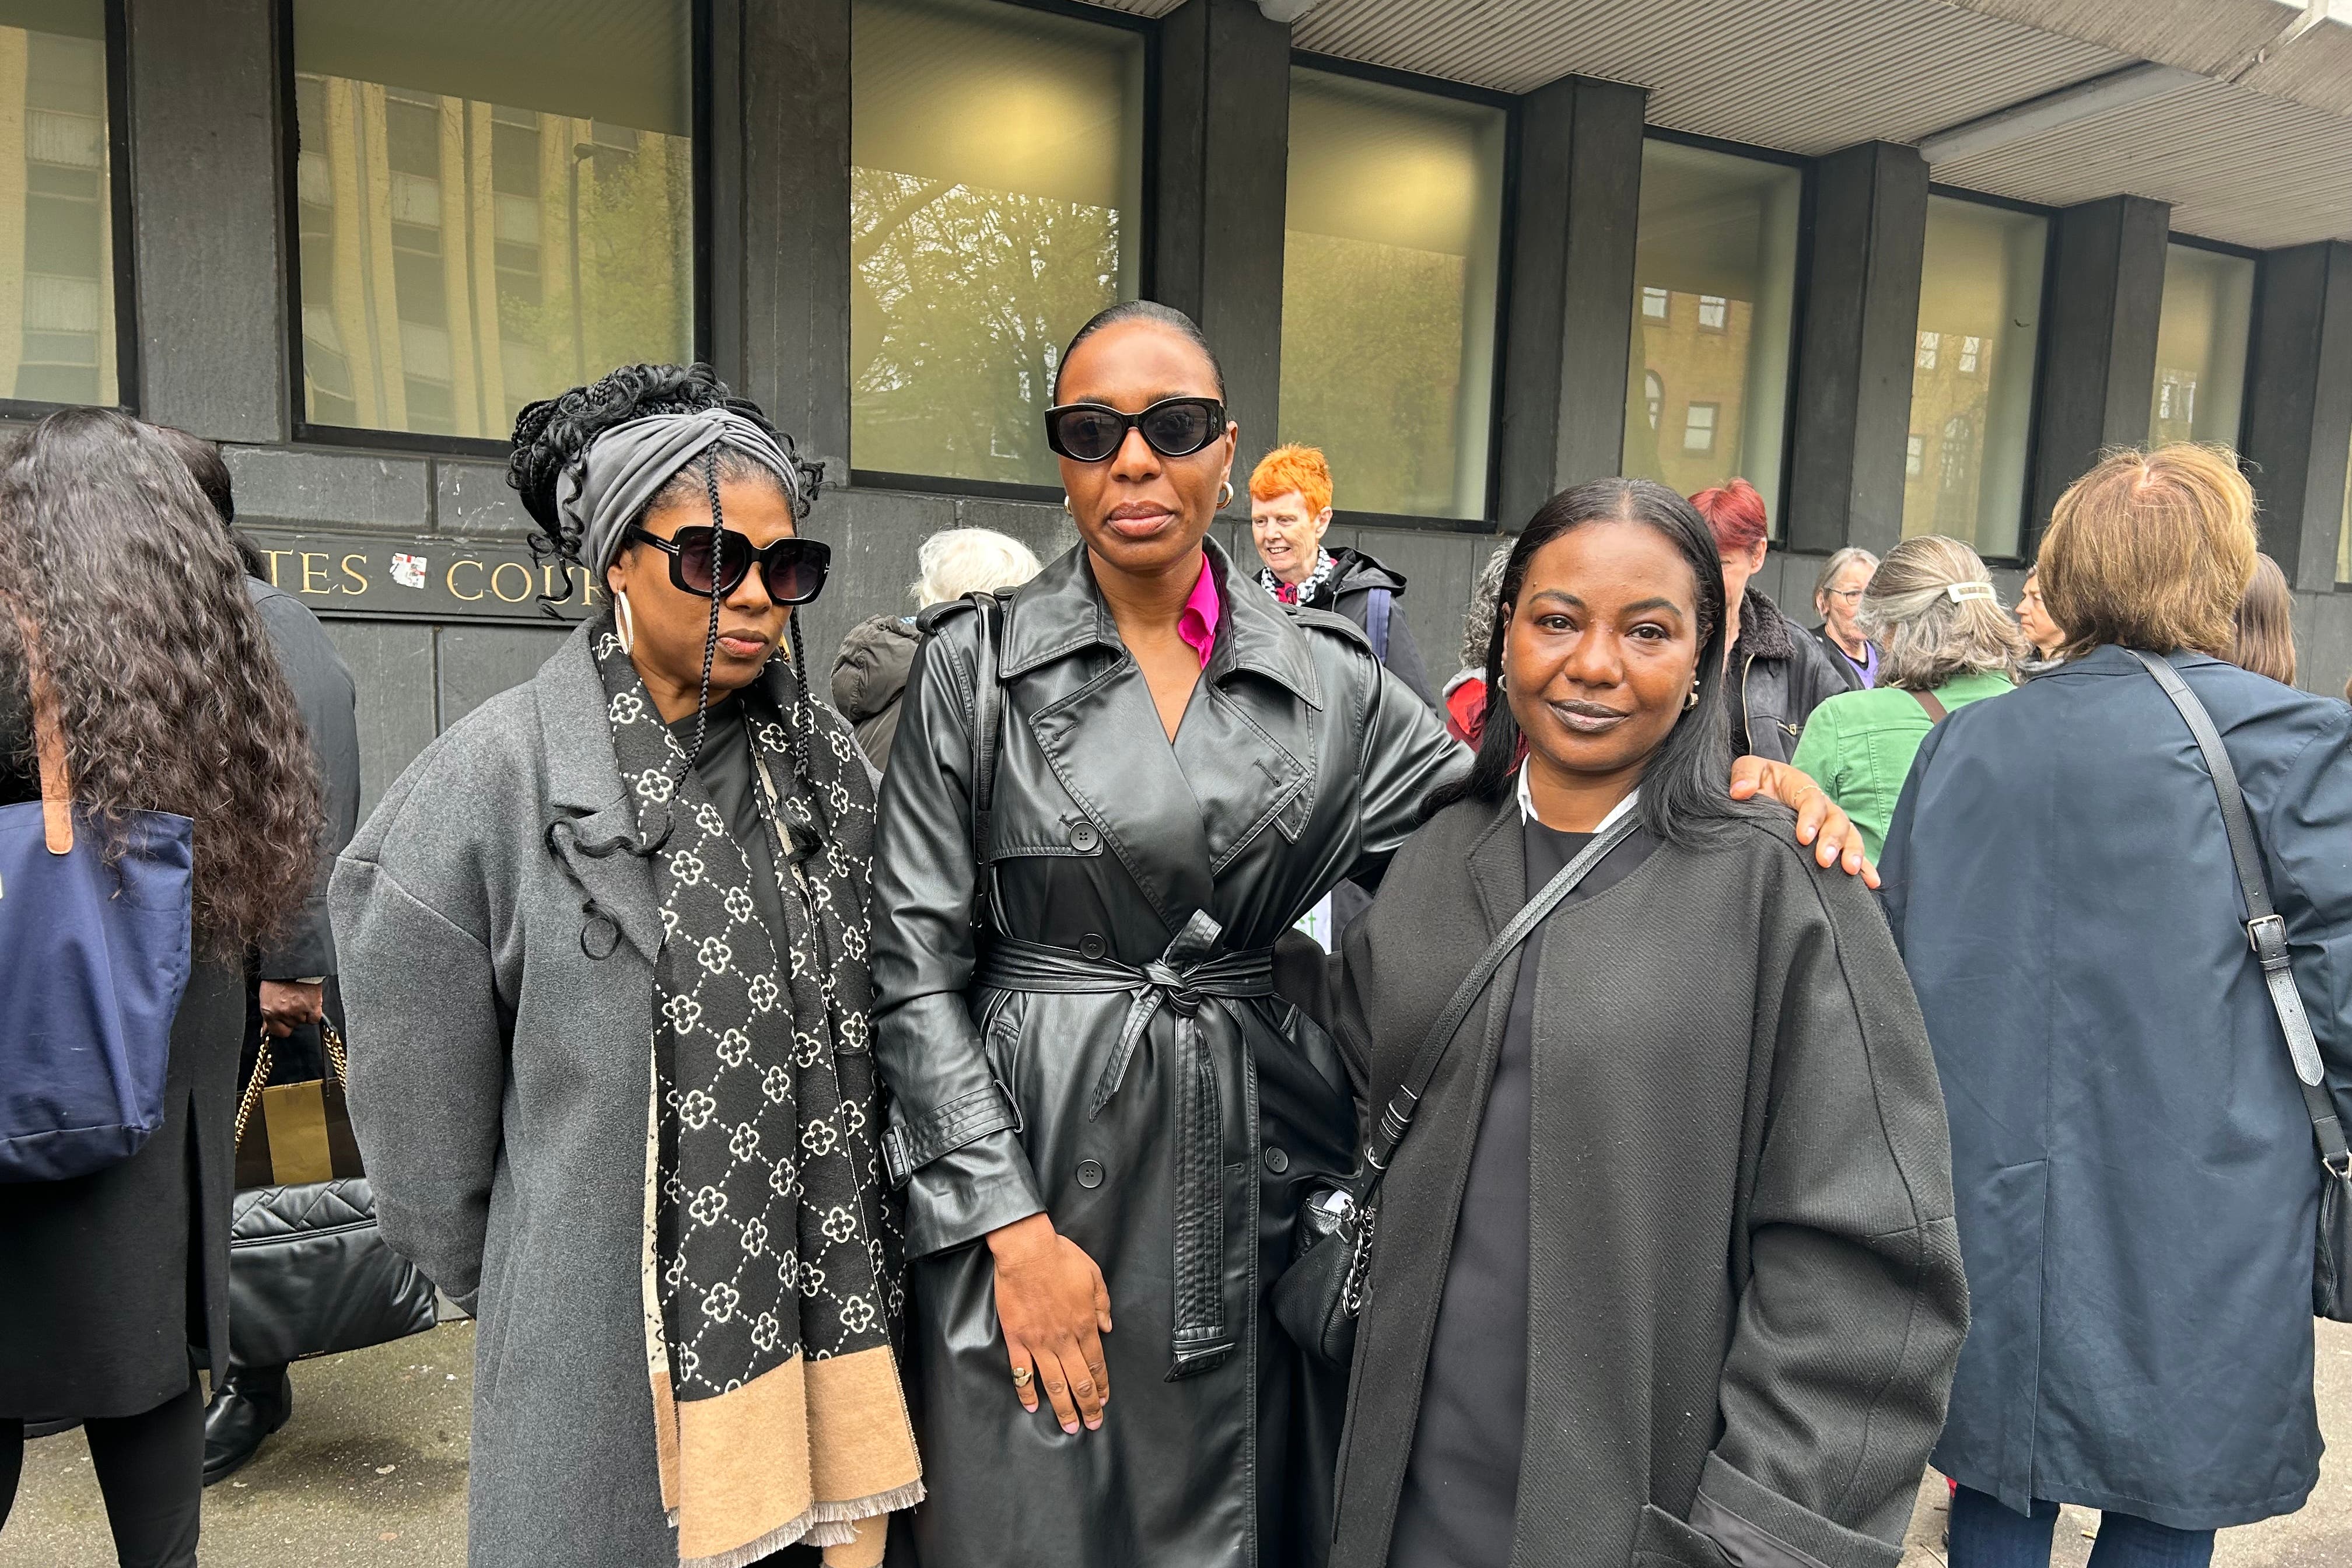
(869, 676)
(1783, 675)
(1349, 592)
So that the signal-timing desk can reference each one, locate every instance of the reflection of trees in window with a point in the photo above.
(1375, 331)
(967, 295)
(1654, 392)
(67, 306)
(1956, 497)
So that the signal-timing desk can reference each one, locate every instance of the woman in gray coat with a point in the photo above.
(604, 953)
(2136, 1168)
(1664, 1272)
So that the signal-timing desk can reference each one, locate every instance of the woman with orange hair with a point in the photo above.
(1290, 511)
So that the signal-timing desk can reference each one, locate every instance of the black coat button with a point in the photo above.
(1275, 1160)
(1093, 945)
(1090, 1173)
(1085, 838)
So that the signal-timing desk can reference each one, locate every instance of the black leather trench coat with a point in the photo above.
(1114, 1057)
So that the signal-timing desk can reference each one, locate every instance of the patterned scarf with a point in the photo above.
(770, 1263)
(1317, 586)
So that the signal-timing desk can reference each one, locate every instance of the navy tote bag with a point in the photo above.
(93, 959)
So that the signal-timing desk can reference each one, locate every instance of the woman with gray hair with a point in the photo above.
(1943, 642)
(1466, 694)
(870, 673)
(1837, 594)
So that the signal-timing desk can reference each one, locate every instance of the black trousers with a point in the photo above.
(150, 1470)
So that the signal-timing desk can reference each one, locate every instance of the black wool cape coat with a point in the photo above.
(1746, 1297)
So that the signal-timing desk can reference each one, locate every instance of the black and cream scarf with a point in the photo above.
(1320, 583)
(771, 1254)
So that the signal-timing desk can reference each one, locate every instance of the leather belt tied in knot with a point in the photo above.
(1181, 980)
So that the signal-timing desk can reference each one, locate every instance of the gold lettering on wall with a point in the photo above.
(498, 576)
(450, 580)
(356, 575)
(273, 555)
(319, 572)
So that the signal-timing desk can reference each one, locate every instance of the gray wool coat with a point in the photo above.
(1745, 1296)
(499, 979)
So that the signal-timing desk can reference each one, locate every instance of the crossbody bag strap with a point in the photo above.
(1396, 1121)
(2265, 930)
(1937, 713)
(48, 747)
(987, 724)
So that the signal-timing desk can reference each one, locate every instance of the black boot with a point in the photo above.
(253, 1403)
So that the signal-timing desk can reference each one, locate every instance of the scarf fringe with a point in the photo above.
(823, 1524)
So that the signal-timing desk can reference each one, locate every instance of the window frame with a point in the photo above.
(1513, 108)
(1714, 426)
(1147, 226)
(289, 151)
(2029, 535)
(116, 42)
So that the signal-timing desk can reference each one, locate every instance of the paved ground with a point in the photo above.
(372, 1471)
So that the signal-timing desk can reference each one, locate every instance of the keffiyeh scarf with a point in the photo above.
(1317, 589)
(770, 1259)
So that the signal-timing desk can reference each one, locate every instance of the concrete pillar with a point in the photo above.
(208, 220)
(2298, 425)
(1571, 290)
(2105, 294)
(1223, 89)
(1852, 409)
(776, 182)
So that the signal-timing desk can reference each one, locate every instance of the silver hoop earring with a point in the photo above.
(1691, 701)
(1065, 504)
(625, 621)
(1502, 679)
(1224, 495)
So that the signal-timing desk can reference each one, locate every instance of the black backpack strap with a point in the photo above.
(2265, 930)
(1396, 1121)
(987, 729)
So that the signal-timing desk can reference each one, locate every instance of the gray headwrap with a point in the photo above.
(607, 487)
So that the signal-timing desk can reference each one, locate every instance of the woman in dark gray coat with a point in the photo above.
(2135, 1173)
(116, 1283)
(1665, 1271)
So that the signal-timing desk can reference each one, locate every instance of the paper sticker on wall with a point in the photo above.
(408, 570)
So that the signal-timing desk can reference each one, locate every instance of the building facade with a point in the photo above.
(1906, 265)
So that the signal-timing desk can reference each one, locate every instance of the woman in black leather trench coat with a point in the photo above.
(1103, 1088)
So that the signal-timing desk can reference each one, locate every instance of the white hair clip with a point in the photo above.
(1961, 593)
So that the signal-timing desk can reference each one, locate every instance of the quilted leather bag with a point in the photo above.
(308, 1271)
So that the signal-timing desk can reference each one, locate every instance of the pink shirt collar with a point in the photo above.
(1197, 625)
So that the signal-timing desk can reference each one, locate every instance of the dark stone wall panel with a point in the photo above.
(2298, 423)
(473, 501)
(2098, 351)
(392, 666)
(476, 663)
(293, 484)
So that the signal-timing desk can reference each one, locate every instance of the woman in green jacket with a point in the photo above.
(1945, 642)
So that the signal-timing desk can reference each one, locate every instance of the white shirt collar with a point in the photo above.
(1527, 804)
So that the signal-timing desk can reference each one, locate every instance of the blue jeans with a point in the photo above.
(1988, 1533)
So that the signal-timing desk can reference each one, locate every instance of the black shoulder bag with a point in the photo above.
(1321, 1295)
(2331, 1279)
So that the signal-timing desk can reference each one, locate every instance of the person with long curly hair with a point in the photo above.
(119, 585)
(606, 943)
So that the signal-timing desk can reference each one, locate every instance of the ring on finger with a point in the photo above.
(1022, 1376)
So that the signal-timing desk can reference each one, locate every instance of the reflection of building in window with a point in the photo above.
(1654, 304)
(1969, 349)
(63, 320)
(1654, 392)
(2200, 346)
(1712, 311)
(463, 254)
(1914, 451)
(1956, 503)
(1699, 427)
(1931, 346)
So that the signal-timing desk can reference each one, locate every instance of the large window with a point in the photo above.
(2200, 346)
(1715, 269)
(1972, 377)
(996, 179)
(495, 202)
(1392, 228)
(57, 221)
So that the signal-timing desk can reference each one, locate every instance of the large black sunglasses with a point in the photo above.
(1093, 431)
(794, 569)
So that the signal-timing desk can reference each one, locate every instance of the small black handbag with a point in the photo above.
(2331, 1279)
(1321, 1294)
(309, 1272)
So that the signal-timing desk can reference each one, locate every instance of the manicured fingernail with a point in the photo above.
(1095, 1424)
(1071, 1427)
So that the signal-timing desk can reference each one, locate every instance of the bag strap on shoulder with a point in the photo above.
(2266, 930)
(49, 746)
(1396, 1120)
(1936, 711)
(987, 723)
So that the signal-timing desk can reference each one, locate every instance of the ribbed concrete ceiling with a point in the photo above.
(2262, 157)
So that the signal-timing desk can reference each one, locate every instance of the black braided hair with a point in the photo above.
(552, 434)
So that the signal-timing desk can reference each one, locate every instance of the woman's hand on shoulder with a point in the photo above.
(1836, 841)
(1055, 1309)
